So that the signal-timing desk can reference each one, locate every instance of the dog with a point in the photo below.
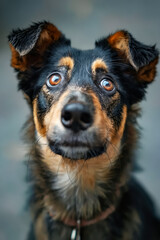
(83, 134)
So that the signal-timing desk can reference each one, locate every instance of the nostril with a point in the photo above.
(67, 116)
(86, 118)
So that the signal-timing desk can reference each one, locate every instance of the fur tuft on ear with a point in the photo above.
(24, 40)
(141, 57)
(28, 46)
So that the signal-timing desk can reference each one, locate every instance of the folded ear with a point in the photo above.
(28, 46)
(143, 58)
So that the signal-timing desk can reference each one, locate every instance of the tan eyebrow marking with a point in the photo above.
(67, 62)
(98, 63)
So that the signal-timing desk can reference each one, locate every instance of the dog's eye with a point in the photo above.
(54, 80)
(107, 85)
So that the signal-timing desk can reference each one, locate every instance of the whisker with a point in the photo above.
(88, 71)
(70, 179)
(58, 168)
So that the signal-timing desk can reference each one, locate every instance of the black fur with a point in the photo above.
(25, 40)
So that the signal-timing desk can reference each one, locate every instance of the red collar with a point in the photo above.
(73, 223)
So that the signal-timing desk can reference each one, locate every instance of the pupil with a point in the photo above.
(106, 83)
(55, 78)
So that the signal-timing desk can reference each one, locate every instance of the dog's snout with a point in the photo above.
(76, 116)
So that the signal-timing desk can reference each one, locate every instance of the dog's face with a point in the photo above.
(79, 110)
(80, 99)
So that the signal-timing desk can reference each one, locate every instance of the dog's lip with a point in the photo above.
(68, 143)
(76, 152)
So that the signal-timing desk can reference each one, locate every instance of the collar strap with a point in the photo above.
(73, 223)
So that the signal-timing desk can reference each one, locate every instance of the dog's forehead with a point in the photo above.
(80, 58)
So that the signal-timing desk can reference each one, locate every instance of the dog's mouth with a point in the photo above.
(76, 149)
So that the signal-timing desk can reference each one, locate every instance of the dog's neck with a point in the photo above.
(85, 188)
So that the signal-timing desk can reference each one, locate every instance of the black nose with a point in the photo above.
(76, 116)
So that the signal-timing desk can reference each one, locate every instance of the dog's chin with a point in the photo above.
(76, 152)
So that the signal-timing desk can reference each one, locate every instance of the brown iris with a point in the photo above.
(54, 79)
(107, 85)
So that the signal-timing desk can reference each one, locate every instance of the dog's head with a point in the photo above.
(80, 99)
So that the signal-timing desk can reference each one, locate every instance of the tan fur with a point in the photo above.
(40, 227)
(117, 137)
(98, 64)
(116, 97)
(55, 114)
(40, 128)
(147, 73)
(67, 62)
(131, 225)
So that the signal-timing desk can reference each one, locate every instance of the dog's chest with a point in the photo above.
(78, 192)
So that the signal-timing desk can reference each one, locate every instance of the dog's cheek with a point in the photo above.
(107, 119)
(102, 123)
(52, 119)
(114, 110)
(114, 146)
(38, 119)
(42, 106)
(113, 151)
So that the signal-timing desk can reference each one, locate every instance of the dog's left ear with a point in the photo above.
(30, 49)
(143, 58)
(29, 46)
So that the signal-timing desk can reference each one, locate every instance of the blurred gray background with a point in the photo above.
(83, 21)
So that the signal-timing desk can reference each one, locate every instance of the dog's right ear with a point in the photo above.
(29, 46)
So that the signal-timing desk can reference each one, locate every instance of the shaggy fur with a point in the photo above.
(83, 133)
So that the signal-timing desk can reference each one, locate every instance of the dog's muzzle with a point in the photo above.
(77, 138)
